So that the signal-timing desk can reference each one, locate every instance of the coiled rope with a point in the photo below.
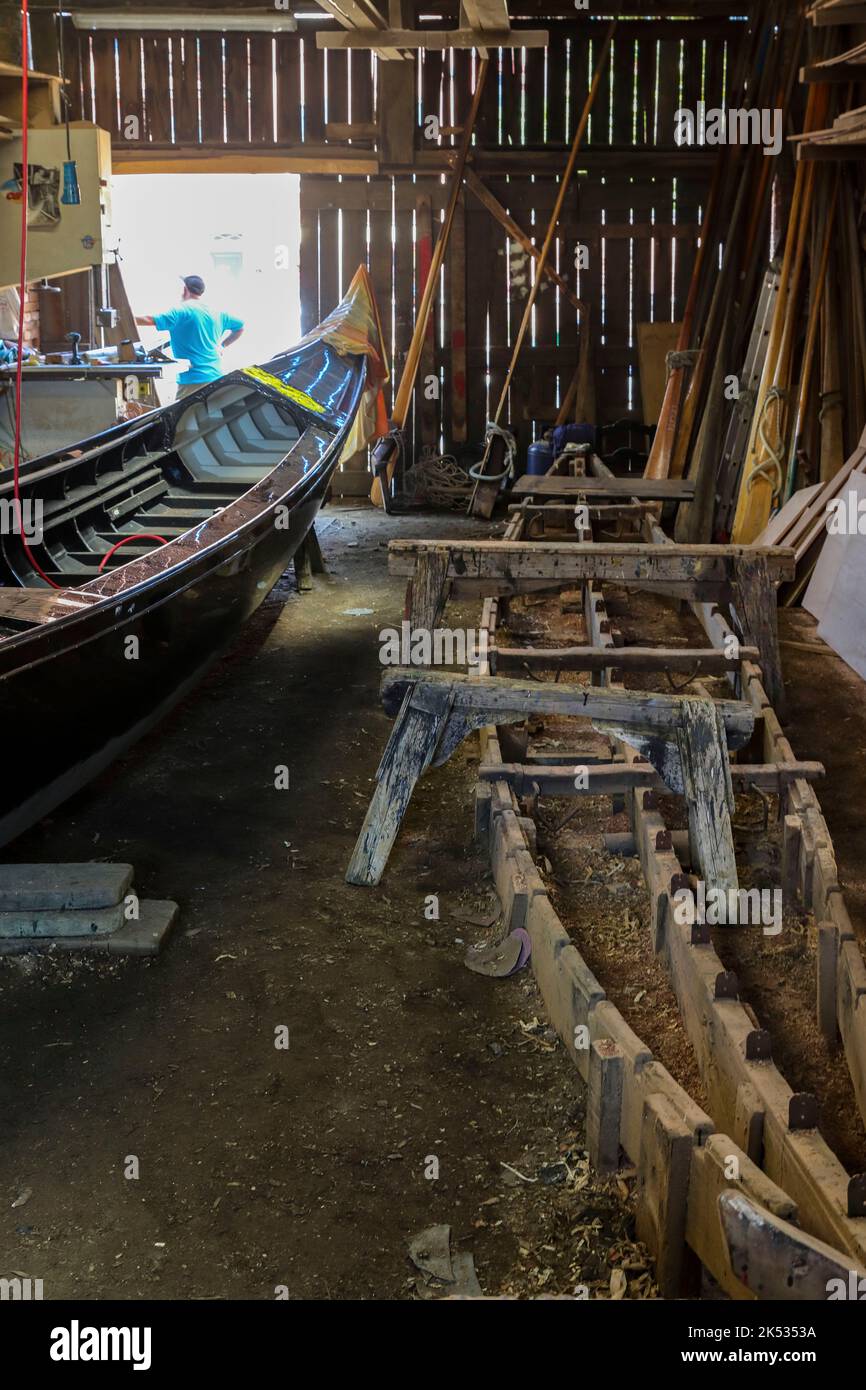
(495, 431)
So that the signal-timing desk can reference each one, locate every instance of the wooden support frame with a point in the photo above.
(436, 711)
(755, 1249)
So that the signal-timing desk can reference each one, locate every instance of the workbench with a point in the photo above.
(62, 403)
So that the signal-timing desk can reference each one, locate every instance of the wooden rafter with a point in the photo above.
(407, 39)
(361, 16)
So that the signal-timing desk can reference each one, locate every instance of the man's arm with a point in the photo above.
(145, 321)
(232, 338)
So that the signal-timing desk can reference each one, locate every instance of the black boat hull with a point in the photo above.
(78, 711)
(243, 466)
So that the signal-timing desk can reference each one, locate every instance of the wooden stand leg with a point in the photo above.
(303, 568)
(755, 598)
(414, 738)
(429, 590)
(707, 789)
(317, 563)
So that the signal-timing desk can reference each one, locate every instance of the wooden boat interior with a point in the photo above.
(222, 445)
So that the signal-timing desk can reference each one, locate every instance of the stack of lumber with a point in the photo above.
(802, 523)
(788, 329)
(844, 139)
(823, 12)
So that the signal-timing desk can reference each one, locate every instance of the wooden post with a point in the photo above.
(663, 1184)
(757, 612)
(429, 584)
(826, 967)
(604, 1105)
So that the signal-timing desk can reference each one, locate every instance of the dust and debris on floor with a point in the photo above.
(309, 1075)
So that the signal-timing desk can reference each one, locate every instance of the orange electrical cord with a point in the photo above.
(136, 536)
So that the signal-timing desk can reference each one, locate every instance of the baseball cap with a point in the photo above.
(194, 283)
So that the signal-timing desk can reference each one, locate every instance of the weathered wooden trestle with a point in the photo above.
(751, 1188)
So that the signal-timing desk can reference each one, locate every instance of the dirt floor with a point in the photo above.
(304, 1168)
(312, 1168)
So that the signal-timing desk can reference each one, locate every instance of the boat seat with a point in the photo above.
(220, 438)
(111, 488)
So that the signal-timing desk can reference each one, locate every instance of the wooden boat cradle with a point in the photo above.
(791, 1218)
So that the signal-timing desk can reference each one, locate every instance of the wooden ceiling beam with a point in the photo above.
(409, 39)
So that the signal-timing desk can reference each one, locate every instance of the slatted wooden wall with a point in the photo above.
(637, 217)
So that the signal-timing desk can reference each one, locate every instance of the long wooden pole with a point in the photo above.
(756, 487)
(554, 218)
(504, 218)
(551, 231)
(413, 356)
(659, 461)
(809, 353)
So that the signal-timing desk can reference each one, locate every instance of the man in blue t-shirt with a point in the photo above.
(196, 334)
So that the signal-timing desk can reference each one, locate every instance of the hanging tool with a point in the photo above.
(71, 194)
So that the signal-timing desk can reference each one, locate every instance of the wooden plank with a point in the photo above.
(610, 779)
(619, 562)
(212, 106)
(288, 88)
(655, 489)
(655, 341)
(237, 95)
(756, 610)
(706, 777)
(429, 586)
(185, 86)
(31, 606)
(843, 625)
(504, 701)
(426, 407)
(700, 661)
(261, 69)
(777, 1260)
(309, 271)
(663, 1190)
(313, 65)
(432, 40)
(130, 81)
(104, 82)
(604, 1105)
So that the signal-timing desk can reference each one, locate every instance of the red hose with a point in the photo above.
(138, 536)
(25, 198)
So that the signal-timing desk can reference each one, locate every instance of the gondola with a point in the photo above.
(162, 536)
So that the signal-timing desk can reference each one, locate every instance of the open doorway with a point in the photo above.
(239, 232)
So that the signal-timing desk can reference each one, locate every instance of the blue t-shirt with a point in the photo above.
(196, 332)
